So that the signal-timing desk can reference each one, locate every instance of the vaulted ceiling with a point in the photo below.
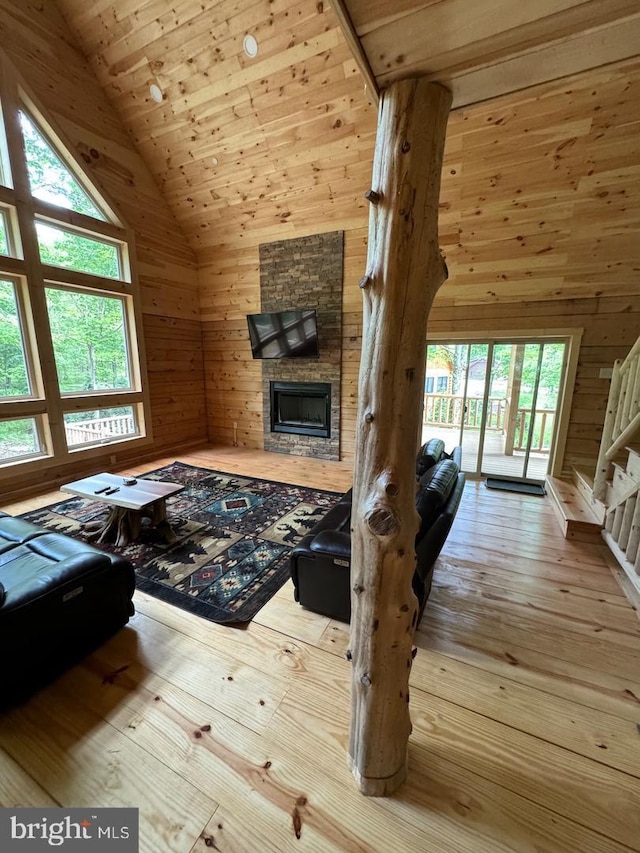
(247, 148)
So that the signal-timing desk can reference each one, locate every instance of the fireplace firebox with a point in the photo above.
(302, 408)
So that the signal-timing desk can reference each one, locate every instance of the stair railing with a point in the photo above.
(622, 420)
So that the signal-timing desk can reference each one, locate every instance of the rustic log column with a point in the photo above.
(404, 271)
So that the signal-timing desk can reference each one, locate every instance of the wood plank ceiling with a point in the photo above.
(239, 145)
(248, 150)
(486, 48)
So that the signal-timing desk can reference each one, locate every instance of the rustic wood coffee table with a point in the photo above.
(130, 499)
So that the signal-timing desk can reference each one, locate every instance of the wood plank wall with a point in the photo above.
(36, 39)
(540, 215)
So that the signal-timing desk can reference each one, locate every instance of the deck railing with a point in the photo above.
(99, 429)
(542, 430)
(448, 410)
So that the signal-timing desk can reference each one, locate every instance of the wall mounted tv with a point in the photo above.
(284, 334)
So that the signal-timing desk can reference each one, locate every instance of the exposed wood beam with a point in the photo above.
(351, 37)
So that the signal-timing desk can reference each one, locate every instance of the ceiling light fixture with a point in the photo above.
(156, 93)
(250, 46)
(214, 160)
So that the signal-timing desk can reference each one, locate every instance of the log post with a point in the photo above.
(404, 271)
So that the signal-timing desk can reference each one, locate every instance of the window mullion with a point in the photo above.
(42, 345)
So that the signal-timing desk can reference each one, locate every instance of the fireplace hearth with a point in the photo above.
(301, 408)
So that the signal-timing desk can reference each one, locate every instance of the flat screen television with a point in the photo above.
(284, 334)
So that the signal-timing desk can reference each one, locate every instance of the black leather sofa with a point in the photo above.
(321, 561)
(59, 599)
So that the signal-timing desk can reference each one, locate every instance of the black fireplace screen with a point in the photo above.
(302, 408)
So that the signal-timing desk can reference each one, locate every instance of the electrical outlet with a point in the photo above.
(112, 459)
(605, 372)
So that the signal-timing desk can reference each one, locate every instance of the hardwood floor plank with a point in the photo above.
(604, 800)
(515, 685)
(253, 773)
(295, 621)
(484, 550)
(590, 651)
(580, 685)
(502, 567)
(593, 688)
(80, 759)
(547, 602)
(520, 542)
(582, 730)
(450, 788)
(537, 614)
(18, 788)
(230, 685)
(288, 658)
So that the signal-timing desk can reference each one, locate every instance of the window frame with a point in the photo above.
(124, 273)
(14, 244)
(46, 404)
(29, 348)
(126, 313)
(42, 436)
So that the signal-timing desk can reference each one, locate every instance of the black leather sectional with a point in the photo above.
(321, 562)
(59, 599)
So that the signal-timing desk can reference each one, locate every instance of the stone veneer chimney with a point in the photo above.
(306, 272)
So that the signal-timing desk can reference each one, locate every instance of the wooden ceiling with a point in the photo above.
(485, 48)
(245, 150)
(253, 150)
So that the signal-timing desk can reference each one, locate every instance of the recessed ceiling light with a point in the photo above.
(156, 93)
(214, 160)
(250, 46)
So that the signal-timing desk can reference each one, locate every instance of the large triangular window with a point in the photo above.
(50, 178)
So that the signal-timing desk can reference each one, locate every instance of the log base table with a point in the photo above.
(129, 503)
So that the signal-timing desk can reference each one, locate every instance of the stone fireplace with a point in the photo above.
(304, 273)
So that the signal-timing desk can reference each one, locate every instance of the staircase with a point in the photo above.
(617, 480)
(612, 499)
(571, 503)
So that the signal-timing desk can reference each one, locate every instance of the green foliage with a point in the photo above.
(18, 438)
(50, 179)
(65, 249)
(89, 341)
(4, 243)
(14, 380)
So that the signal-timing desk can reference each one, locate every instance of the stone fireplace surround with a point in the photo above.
(305, 272)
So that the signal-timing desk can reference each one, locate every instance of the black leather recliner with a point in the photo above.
(321, 562)
(59, 599)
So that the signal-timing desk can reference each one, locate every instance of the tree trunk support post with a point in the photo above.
(404, 271)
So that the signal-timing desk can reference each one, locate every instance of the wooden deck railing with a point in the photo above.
(542, 430)
(622, 420)
(449, 409)
(99, 429)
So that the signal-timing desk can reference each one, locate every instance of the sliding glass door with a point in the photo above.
(498, 400)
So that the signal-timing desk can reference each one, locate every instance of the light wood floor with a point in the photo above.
(525, 703)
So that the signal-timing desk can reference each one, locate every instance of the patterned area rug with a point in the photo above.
(233, 533)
